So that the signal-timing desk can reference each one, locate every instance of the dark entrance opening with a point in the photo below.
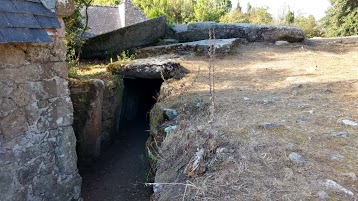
(123, 168)
(138, 98)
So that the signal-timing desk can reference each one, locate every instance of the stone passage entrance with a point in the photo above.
(122, 169)
(138, 98)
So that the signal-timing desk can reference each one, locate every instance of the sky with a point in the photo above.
(316, 8)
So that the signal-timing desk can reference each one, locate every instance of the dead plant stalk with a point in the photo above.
(211, 68)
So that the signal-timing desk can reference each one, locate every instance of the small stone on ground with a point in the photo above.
(297, 158)
(322, 195)
(347, 122)
(338, 134)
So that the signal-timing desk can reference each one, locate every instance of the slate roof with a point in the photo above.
(24, 21)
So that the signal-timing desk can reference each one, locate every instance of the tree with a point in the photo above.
(227, 5)
(248, 8)
(235, 16)
(342, 18)
(238, 6)
(290, 17)
(260, 15)
(211, 10)
(257, 15)
(308, 25)
(75, 30)
(185, 11)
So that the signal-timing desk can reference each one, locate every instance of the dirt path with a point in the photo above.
(121, 171)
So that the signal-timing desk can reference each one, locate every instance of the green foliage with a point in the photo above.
(238, 6)
(75, 30)
(126, 56)
(260, 15)
(309, 26)
(185, 11)
(106, 2)
(290, 17)
(257, 15)
(248, 7)
(341, 18)
(235, 16)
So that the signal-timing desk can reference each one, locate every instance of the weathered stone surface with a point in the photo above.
(150, 68)
(98, 104)
(199, 47)
(297, 158)
(87, 101)
(37, 144)
(347, 122)
(322, 195)
(57, 114)
(14, 124)
(66, 143)
(332, 184)
(170, 129)
(55, 69)
(169, 114)
(281, 42)
(64, 8)
(41, 53)
(113, 43)
(252, 33)
(338, 134)
(17, 55)
(6, 106)
(268, 125)
(8, 181)
(97, 110)
(111, 108)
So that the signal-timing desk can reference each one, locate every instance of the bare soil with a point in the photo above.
(303, 89)
(122, 170)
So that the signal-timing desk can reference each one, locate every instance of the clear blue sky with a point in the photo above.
(316, 8)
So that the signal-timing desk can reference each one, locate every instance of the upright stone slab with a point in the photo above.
(97, 107)
(38, 158)
(113, 43)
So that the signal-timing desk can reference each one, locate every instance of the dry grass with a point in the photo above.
(252, 162)
(90, 70)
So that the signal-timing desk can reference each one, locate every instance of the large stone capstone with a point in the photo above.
(252, 33)
(150, 68)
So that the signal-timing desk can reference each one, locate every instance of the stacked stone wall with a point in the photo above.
(38, 158)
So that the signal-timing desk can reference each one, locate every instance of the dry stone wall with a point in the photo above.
(38, 158)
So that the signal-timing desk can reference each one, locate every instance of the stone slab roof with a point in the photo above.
(25, 21)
